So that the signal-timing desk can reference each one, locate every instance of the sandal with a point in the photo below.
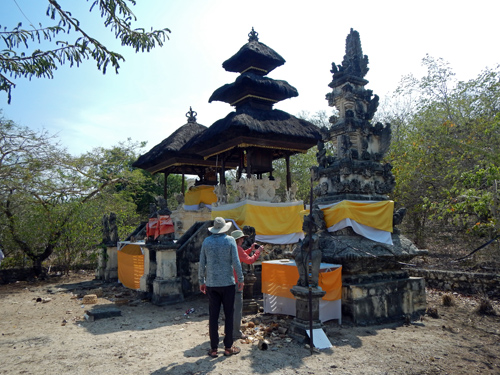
(213, 353)
(232, 350)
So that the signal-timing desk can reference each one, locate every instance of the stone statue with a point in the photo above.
(163, 207)
(238, 187)
(249, 188)
(113, 229)
(321, 155)
(291, 194)
(179, 197)
(152, 210)
(301, 255)
(106, 238)
(221, 193)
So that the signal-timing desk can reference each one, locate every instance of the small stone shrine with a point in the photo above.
(107, 268)
(352, 210)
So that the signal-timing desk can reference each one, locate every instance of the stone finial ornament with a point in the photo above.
(253, 36)
(191, 115)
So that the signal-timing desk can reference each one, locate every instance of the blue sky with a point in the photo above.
(150, 96)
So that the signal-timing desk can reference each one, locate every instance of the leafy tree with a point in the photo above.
(300, 164)
(51, 203)
(445, 152)
(116, 14)
(81, 238)
(300, 169)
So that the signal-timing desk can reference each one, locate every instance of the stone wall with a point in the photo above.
(465, 282)
(183, 220)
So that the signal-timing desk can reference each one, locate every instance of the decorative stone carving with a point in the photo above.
(109, 230)
(291, 194)
(113, 229)
(106, 239)
(221, 192)
(179, 197)
(263, 190)
(306, 251)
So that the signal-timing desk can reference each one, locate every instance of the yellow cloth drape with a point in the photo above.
(130, 266)
(278, 279)
(377, 215)
(268, 220)
(200, 194)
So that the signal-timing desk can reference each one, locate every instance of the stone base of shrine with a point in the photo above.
(146, 284)
(299, 329)
(107, 269)
(307, 312)
(373, 299)
(250, 306)
(166, 292)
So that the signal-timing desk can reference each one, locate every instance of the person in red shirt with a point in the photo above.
(245, 257)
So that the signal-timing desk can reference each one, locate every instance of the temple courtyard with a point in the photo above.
(46, 328)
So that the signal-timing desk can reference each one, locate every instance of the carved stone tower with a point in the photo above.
(355, 171)
(352, 206)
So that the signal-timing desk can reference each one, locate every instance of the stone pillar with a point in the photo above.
(146, 284)
(300, 325)
(107, 268)
(167, 287)
(250, 306)
(101, 265)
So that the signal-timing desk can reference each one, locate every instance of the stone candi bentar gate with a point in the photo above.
(353, 217)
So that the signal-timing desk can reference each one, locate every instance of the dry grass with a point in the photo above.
(485, 307)
(448, 300)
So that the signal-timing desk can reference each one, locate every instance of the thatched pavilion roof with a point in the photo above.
(256, 85)
(169, 155)
(254, 54)
(249, 127)
(166, 156)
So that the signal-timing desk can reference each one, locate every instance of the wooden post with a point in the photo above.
(223, 172)
(288, 174)
(182, 185)
(165, 185)
(249, 162)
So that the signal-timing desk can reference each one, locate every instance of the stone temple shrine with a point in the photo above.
(352, 221)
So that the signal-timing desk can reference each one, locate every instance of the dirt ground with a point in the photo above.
(44, 331)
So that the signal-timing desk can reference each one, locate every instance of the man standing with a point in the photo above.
(218, 258)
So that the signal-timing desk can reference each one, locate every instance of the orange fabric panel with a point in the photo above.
(331, 283)
(151, 226)
(166, 226)
(130, 269)
(157, 227)
(278, 279)
(131, 249)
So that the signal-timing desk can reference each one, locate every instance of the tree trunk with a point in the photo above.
(37, 267)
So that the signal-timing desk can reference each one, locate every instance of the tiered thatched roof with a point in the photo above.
(273, 129)
(254, 130)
